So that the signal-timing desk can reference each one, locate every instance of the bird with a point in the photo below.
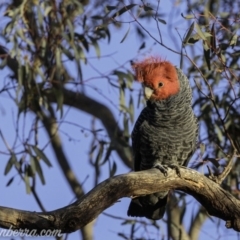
(166, 131)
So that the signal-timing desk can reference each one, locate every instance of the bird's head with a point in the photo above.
(159, 77)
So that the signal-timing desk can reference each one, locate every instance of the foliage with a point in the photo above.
(216, 73)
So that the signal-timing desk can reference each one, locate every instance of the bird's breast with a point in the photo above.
(167, 138)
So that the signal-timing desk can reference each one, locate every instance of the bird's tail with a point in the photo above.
(152, 206)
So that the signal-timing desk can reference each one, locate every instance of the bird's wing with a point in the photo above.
(136, 134)
(194, 146)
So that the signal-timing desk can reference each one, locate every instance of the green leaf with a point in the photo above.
(199, 31)
(223, 58)
(60, 98)
(39, 16)
(206, 51)
(84, 21)
(131, 109)
(233, 41)
(193, 39)
(125, 126)
(8, 166)
(82, 39)
(10, 181)
(99, 155)
(129, 80)
(67, 53)
(121, 75)
(207, 34)
(97, 49)
(108, 34)
(110, 8)
(123, 10)
(39, 170)
(205, 46)
(9, 27)
(108, 153)
(93, 148)
(12, 161)
(147, 8)
(27, 184)
(70, 28)
(142, 46)
(122, 104)
(41, 155)
(29, 171)
(188, 34)
(125, 79)
(213, 39)
(58, 58)
(188, 16)
(97, 17)
(47, 10)
(33, 166)
(219, 133)
(113, 169)
(124, 37)
(162, 21)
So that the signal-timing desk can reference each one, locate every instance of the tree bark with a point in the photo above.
(216, 200)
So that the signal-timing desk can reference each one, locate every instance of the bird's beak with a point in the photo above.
(148, 92)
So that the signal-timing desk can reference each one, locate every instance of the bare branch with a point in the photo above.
(219, 178)
(51, 127)
(216, 200)
(195, 228)
(104, 114)
(176, 229)
(227, 168)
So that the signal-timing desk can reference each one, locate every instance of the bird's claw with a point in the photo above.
(176, 168)
(163, 169)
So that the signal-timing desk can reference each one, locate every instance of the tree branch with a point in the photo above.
(51, 127)
(199, 219)
(104, 114)
(176, 229)
(216, 200)
(88, 105)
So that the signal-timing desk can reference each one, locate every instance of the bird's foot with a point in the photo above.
(162, 168)
(176, 168)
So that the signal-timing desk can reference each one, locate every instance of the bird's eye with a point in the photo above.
(161, 84)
